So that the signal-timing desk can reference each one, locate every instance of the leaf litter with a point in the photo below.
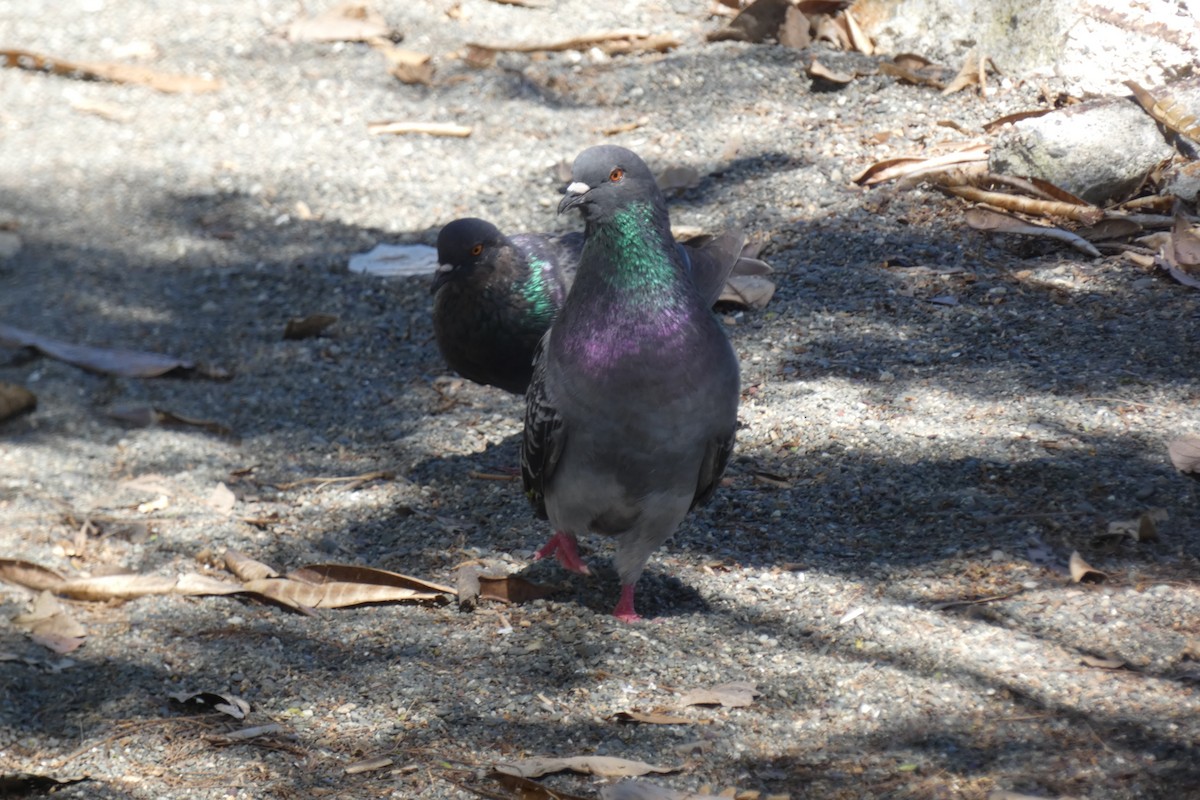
(106, 361)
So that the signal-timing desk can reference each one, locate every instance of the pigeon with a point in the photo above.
(495, 295)
(631, 412)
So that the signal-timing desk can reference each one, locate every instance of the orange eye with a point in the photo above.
(616, 174)
(477, 249)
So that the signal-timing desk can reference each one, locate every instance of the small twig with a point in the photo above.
(429, 128)
(491, 476)
(977, 601)
(322, 482)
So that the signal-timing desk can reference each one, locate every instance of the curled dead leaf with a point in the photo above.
(604, 766)
(309, 326)
(1083, 572)
(984, 219)
(819, 71)
(247, 568)
(756, 23)
(110, 72)
(28, 574)
(512, 589)
(103, 360)
(1101, 663)
(748, 291)
(735, 694)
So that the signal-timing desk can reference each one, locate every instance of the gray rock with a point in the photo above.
(1097, 151)
(1088, 46)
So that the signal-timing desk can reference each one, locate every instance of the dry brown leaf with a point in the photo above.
(610, 42)
(858, 38)
(1088, 215)
(1017, 117)
(247, 568)
(984, 219)
(748, 291)
(819, 71)
(349, 573)
(221, 499)
(369, 765)
(104, 71)
(332, 594)
(143, 416)
(972, 72)
(925, 77)
(15, 400)
(29, 575)
(1083, 572)
(428, 128)
(306, 327)
(653, 718)
(1166, 111)
(116, 587)
(467, 586)
(229, 704)
(735, 694)
(910, 166)
(51, 625)
(604, 766)
(195, 584)
(105, 361)
(1101, 663)
(1110, 228)
(794, 31)
(346, 22)
(512, 589)
(756, 23)
(1184, 453)
(407, 66)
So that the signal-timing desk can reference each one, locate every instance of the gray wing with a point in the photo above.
(710, 260)
(544, 436)
(716, 458)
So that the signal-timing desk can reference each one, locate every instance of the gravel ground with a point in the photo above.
(898, 457)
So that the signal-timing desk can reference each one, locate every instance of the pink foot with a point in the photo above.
(562, 547)
(624, 610)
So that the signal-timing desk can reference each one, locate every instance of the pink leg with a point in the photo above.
(624, 610)
(562, 547)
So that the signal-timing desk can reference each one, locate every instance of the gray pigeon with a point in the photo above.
(495, 295)
(631, 412)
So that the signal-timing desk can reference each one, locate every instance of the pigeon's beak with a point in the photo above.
(441, 277)
(576, 195)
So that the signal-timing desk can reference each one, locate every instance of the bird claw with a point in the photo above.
(562, 547)
(624, 610)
